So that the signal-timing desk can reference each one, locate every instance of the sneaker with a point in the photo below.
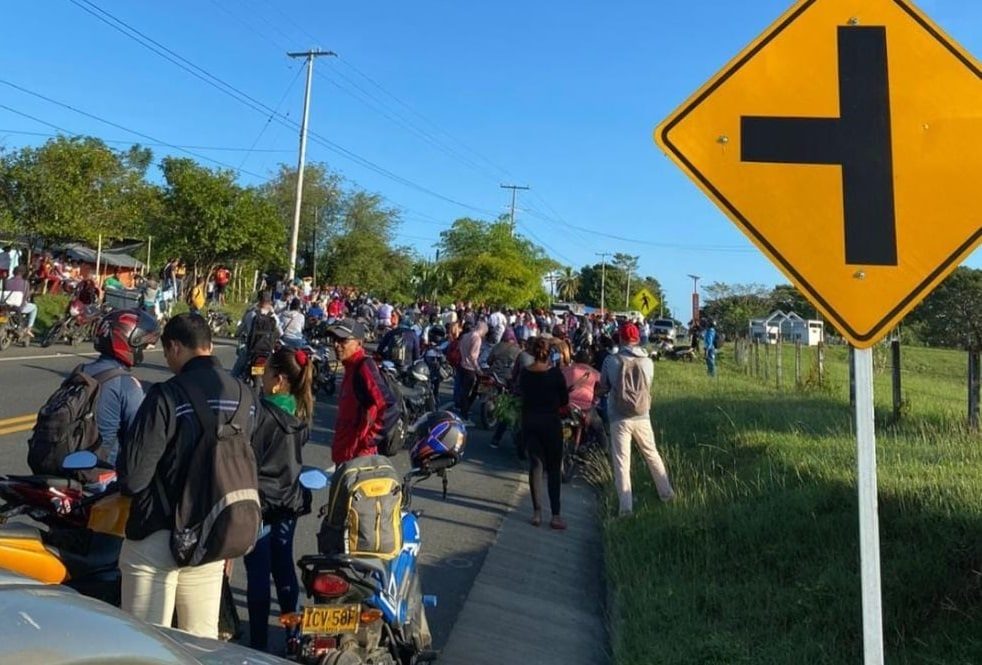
(557, 523)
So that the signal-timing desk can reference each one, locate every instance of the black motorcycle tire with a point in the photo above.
(487, 416)
(5, 339)
(569, 461)
(53, 334)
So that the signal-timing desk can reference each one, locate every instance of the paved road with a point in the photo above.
(456, 533)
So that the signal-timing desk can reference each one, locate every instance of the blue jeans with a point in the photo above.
(273, 554)
(711, 361)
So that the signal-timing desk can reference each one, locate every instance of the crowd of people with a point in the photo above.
(547, 360)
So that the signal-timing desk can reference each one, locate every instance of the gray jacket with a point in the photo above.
(610, 377)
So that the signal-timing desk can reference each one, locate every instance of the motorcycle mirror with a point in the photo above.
(81, 460)
(314, 479)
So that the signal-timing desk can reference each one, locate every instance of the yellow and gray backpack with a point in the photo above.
(363, 515)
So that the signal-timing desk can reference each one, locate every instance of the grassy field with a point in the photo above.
(52, 308)
(758, 559)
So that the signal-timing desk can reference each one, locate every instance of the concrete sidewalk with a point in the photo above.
(539, 597)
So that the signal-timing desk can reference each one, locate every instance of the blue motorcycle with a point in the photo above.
(366, 610)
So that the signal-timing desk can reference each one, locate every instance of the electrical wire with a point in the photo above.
(63, 132)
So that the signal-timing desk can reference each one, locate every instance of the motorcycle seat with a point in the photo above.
(19, 531)
(363, 564)
(55, 482)
(83, 551)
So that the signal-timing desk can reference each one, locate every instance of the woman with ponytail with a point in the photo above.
(282, 428)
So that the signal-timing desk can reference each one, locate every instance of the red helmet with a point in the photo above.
(124, 333)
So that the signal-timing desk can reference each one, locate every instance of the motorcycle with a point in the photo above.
(80, 548)
(218, 322)
(365, 610)
(576, 440)
(414, 386)
(683, 353)
(490, 388)
(13, 327)
(78, 324)
(326, 368)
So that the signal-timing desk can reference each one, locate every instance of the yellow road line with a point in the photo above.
(18, 424)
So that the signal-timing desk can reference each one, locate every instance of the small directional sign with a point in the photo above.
(846, 142)
(645, 301)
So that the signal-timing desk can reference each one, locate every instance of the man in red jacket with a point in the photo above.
(361, 402)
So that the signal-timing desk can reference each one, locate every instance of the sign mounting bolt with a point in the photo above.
(723, 139)
(859, 274)
(853, 21)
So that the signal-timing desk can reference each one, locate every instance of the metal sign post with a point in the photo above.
(869, 524)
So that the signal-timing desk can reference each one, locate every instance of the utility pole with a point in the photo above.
(603, 280)
(695, 298)
(309, 55)
(313, 251)
(514, 189)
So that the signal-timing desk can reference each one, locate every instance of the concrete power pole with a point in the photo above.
(514, 189)
(294, 236)
(603, 281)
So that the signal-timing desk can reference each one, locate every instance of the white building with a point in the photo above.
(788, 328)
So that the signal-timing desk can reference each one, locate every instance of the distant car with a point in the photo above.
(663, 329)
(41, 623)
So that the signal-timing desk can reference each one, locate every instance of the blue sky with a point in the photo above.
(455, 97)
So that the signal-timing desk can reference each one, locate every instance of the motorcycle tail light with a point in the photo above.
(330, 585)
(291, 619)
(370, 616)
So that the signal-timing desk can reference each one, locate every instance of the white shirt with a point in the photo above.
(292, 322)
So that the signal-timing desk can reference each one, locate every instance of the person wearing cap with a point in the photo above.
(361, 401)
(627, 426)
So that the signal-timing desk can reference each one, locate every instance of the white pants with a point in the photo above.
(153, 585)
(622, 432)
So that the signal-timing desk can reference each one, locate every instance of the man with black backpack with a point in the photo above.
(189, 467)
(626, 379)
(97, 403)
(258, 332)
(400, 345)
(370, 419)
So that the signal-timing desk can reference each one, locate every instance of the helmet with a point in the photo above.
(124, 333)
(438, 441)
(420, 371)
(436, 334)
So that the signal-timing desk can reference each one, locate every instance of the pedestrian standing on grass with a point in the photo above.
(626, 379)
(282, 428)
(710, 341)
(543, 391)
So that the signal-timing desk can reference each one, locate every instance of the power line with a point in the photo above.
(122, 127)
(64, 132)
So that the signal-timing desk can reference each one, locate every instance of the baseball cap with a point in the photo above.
(630, 334)
(347, 329)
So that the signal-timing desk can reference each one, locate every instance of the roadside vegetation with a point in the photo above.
(757, 561)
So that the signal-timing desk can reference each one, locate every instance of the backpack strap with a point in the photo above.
(108, 374)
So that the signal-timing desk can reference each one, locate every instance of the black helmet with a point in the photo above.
(124, 333)
(436, 334)
(438, 441)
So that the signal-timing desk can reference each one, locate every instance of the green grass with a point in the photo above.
(758, 562)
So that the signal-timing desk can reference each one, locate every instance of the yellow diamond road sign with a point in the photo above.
(644, 301)
(846, 142)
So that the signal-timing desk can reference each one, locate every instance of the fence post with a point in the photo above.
(756, 358)
(897, 394)
(797, 363)
(779, 361)
(852, 376)
(767, 361)
(973, 389)
(820, 352)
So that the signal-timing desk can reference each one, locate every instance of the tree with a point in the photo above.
(733, 305)
(430, 279)
(362, 255)
(628, 264)
(591, 278)
(951, 316)
(321, 213)
(73, 189)
(568, 283)
(488, 262)
(208, 218)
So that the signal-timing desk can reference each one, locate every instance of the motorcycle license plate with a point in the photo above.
(330, 619)
(257, 370)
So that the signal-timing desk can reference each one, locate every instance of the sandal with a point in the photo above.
(557, 523)
(536, 519)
